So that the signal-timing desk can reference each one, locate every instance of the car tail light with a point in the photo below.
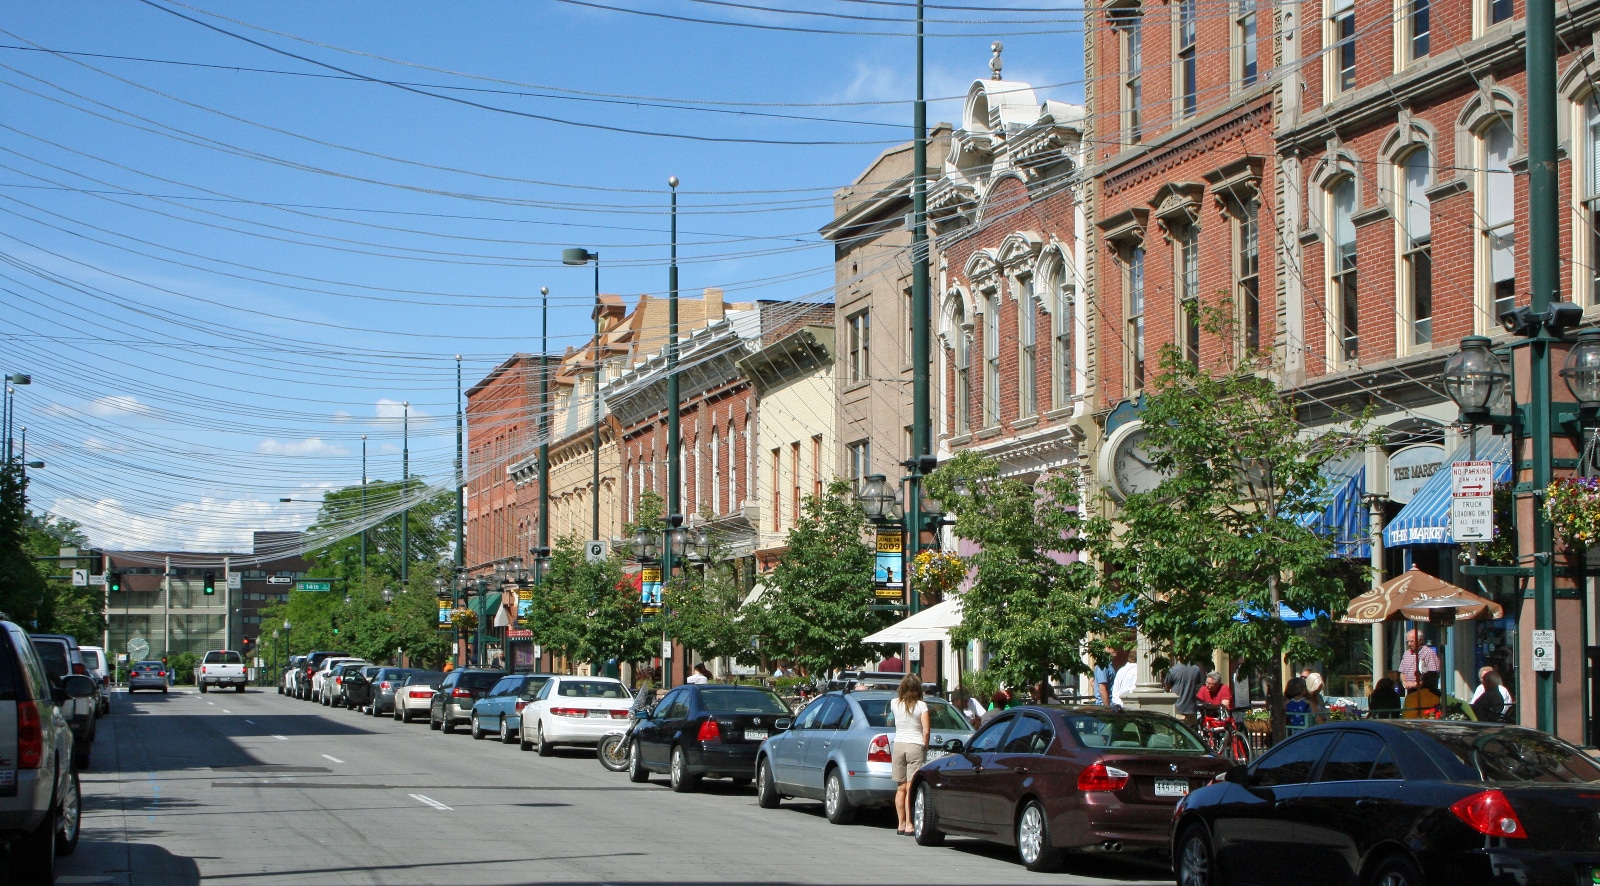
(421, 693)
(520, 705)
(710, 731)
(619, 715)
(878, 750)
(1100, 777)
(460, 693)
(339, 680)
(384, 685)
(80, 670)
(570, 712)
(30, 736)
(1489, 812)
(161, 673)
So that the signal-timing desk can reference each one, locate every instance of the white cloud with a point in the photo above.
(312, 447)
(209, 524)
(117, 406)
(99, 445)
(341, 416)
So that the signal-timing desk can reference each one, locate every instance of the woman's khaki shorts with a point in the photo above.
(906, 760)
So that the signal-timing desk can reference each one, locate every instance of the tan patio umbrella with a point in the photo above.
(1412, 595)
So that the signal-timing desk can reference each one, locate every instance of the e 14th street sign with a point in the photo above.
(323, 586)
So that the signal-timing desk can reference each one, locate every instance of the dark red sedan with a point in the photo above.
(1051, 779)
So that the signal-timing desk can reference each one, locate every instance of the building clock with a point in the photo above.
(1125, 465)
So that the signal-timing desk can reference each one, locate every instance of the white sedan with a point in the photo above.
(574, 711)
(414, 696)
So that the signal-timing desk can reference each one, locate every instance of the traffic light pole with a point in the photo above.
(1544, 282)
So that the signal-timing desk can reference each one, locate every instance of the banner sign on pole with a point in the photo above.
(444, 612)
(524, 603)
(1472, 501)
(650, 588)
(888, 573)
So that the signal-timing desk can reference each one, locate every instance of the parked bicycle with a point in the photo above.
(1222, 735)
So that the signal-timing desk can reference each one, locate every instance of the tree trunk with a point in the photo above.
(1280, 719)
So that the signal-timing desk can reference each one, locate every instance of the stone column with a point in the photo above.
(1148, 695)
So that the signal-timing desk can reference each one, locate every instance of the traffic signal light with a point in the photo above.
(211, 583)
(336, 625)
(114, 582)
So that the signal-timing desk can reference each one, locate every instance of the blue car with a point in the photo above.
(500, 711)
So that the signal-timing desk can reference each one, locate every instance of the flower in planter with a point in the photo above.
(1572, 504)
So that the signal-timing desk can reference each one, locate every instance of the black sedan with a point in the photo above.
(371, 689)
(1398, 803)
(706, 730)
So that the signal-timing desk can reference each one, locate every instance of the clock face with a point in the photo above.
(1132, 469)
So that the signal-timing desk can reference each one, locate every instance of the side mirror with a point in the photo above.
(1239, 775)
(954, 746)
(782, 724)
(77, 686)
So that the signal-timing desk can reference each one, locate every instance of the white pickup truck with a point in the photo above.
(221, 668)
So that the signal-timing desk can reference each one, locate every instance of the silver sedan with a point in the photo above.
(148, 675)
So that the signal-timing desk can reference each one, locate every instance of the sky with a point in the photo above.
(237, 237)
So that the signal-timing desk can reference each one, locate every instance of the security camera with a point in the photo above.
(1521, 321)
(1562, 315)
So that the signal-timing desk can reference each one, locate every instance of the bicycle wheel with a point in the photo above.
(1238, 748)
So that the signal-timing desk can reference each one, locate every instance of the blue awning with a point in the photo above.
(1425, 520)
(1287, 615)
(1345, 518)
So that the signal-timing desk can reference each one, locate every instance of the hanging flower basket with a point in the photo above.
(464, 619)
(1572, 505)
(938, 572)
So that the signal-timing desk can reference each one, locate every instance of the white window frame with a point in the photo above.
(1497, 226)
(1414, 245)
(1338, 33)
(1343, 283)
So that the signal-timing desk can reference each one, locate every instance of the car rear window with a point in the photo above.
(741, 700)
(1510, 755)
(941, 714)
(426, 678)
(147, 664)
(223, 658)
(480, 680)
(590, 689)
(91, 659)
(8, 668)
(54, 655)
(1133, 733)
(531, 687)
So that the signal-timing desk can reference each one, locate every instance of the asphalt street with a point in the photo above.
(261, 789)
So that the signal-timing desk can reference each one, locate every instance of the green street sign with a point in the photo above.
(313, 585)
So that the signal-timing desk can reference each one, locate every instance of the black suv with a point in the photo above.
(452, 702)
(312, 664)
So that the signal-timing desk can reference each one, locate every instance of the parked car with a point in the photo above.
(287, 681)
(321, 677)
(414, 696)
(371, 690)
(221, 668)
(332, 688)
(94, 659)
(40, 799)
(706, 730)
(1050, 779)
(501, 710)
(1401, 803)
(573, 711)
(453, 699)
(313, 662)
(838, 750)
(61, 659)
(147, 675)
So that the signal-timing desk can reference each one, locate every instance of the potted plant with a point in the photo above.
(464, 620)
(1572, 505)
(1258, 720)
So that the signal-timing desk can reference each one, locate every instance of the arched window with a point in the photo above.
(1027, 347)
(991, 360)
(716, 469)
(962, 346)
(1064, 380)
(1415, 176)
(1343, 303)
(1497, 253)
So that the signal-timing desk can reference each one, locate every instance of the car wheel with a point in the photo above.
(522, 737)
(1033, 839)
(202, 689)
(446, 724)
(546, 749)
(432, 723)
(766, 789)
(834, 802)
(1195, 864)
(396, 714)
(506, 736)
(70, 817)
(636, 771)
(924, 820)
(163, 690)
(1396, 870)
(239, 688)
(33, 858)
(477, 729)
(678, 773)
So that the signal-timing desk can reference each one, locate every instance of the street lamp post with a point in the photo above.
(544, 420)
(405, 491)
(576, 257)
(12, 381)
(670, 544)
(461, 476)
(477, 648)
(363, 506)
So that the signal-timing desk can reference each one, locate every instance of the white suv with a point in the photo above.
(40, 802)
(94, 659)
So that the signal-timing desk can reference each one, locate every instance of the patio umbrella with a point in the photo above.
(1412, 595)
(933, 623)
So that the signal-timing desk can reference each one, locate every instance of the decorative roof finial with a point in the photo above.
(994, 63)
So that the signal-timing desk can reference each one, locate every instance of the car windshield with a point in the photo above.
(1133, 733)
(148, 664)
(941, 714)
(741, 700)
(54, 656)
(591, 689)
(223, 658)
(1515, 755)
(480, 679)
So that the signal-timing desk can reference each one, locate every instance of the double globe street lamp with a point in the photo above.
(673, 543)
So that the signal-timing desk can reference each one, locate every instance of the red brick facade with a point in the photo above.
(502, 416)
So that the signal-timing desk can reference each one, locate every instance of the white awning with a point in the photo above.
(933, 623)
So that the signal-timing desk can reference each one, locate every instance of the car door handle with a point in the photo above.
(1021, 770)
(1366, 803)
(1282, 804)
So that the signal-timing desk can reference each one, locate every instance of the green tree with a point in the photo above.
(431, 523)
(816, 610)
(703, 613)
(1212, 551)
(559, 609)
(1034, 600)
(65, 609)
(23, 588)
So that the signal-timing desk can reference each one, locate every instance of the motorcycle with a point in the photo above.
(618, 744)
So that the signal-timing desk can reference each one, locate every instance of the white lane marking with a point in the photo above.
(334, 759)
(280, 738)
(226, 711)
(211, 703)
(429, 801)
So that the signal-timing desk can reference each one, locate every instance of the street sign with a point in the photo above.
(1544, 650)
(138, 649)
(913, 652)
(236, 581)
(320, 586)
(1472, 501)
(278, 580)
(97, 581)
(80, 578)
(666, 648)
(594, 551)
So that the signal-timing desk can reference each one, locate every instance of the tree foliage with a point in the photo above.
(816, 609)
(22, 586)
(431, 525)
(1034, 601)
(703, 613)
(589, 612)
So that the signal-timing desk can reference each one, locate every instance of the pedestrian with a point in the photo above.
(777, 670)
(1319, 708)
(912, 723)
(1241, 694)
(1183, 680)
(1296, 707)
(1492, 699)
(1215, 693)
(892, 663)
(1105, 674)
(1042, 692)
(1423, 703)
(700, 675)
(1127, 678)
(1000, 701)
(1418, 659)
(968, 706)
(449, 665)
(1384, 702)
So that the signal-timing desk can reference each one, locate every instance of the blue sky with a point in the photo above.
(221, 278)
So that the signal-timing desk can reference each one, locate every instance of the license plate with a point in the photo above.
(1172, 787)
(755, 735)
(599, 715)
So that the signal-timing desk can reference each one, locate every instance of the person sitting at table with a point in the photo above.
(1384, 702)
(1422, 703)
(1297, 707)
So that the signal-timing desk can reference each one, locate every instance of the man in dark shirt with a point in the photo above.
(1183, 680)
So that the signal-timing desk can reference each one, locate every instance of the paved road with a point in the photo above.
(262, 789)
